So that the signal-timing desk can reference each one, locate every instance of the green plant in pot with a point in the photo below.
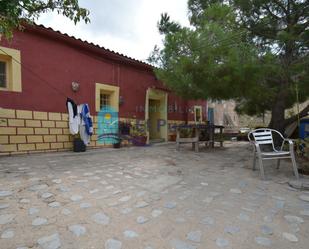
(302, 152)
(124, 128)
(186, 132)
(138, 135)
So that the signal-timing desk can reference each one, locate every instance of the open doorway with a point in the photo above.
(156, 115)
(154, 119)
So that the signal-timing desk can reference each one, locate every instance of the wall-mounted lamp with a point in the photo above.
(75, 86)
(175, 107)
(121, 100)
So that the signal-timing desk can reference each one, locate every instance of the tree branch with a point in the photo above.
(271, 13)
(282, 7)
(294, 118)
(32, 9)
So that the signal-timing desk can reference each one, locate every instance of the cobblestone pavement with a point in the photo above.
(151, 197)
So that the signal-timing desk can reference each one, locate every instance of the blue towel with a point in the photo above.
(87, 119)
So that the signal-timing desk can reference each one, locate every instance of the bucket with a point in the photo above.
(78, 145)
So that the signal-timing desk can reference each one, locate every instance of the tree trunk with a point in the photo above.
(278, 113)
(278, 121)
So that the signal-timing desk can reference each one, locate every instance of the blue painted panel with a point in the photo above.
(108, 126)
(211, 115)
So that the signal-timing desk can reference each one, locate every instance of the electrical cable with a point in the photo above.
(35, 74)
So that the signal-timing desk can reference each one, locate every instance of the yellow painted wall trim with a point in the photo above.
(12, 57)
(163, 97)
(198, 107)
(110, 89)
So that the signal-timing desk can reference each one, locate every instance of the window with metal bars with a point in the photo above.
(104, 100)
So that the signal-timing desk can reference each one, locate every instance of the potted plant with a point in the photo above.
(123, 133)
(302, 152)
(117, 145)
(172, 137)
(138, 136)
(117, 141)
(124, 128)
(186, 133)
(78, 144)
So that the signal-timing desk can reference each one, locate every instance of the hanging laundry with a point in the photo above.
(74, 106)
(86, 125)
(74, 118)
(87, 119)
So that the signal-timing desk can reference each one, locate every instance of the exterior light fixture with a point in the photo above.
(121, 100)
(75, 86)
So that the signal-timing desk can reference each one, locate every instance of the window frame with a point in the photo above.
(112, 90)
(108, 100)
(198, 107)
(13, 69)
(7, 79)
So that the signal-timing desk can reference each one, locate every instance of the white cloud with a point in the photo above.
(125, 26)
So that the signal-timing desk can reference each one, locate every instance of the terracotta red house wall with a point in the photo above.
(51, 61)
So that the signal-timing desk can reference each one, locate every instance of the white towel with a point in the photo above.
(73, 121)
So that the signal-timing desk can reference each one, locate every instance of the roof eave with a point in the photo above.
(106, 53)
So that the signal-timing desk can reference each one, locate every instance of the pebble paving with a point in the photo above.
(39, 222)
(194, 236)
(100, 218)
(113, 244)
(150, 198)
(77, 230)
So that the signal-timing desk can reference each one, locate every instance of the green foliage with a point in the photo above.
(252, 51)
(14, 12)
(137, 130)
(166, 26)
(302, 152)
(302, 148)
(186, 132)
(197, 8)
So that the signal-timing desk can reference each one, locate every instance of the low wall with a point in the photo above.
(23, 131)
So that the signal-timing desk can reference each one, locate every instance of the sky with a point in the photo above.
(125, 26)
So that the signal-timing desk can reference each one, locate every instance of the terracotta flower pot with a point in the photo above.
(173, 137)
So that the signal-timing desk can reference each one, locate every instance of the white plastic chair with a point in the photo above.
(260, 137)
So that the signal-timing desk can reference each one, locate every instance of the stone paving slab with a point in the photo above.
(150, 198)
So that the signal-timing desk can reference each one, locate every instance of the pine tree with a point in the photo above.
(252, 51)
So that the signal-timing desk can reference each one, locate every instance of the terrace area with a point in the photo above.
(150, 198)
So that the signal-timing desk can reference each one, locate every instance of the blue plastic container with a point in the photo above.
(304, 128)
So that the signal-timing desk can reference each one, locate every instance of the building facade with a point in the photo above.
(224, 113)
(40, 68)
